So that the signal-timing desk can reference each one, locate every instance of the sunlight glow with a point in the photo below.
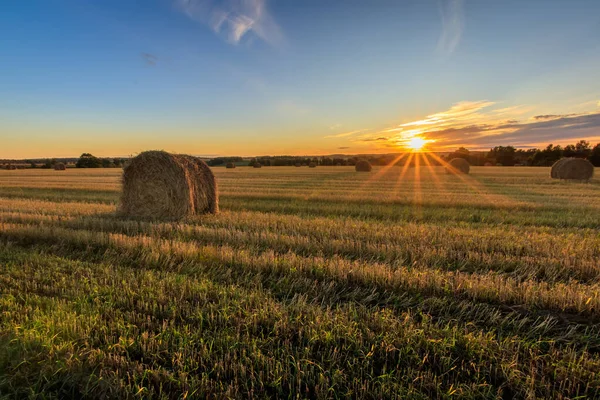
(416, 143)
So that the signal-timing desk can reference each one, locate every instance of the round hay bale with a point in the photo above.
(363, 166)
(575, 169)
(60, 167)
(556, 166)
(257, 165)
(206, 189)
(230, 165)
(312, 165)
(160, 185)
(488, 164)
(458, 166)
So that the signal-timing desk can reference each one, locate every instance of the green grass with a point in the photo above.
(311, 283)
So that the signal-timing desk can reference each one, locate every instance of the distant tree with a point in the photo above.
(460, 153)
(326, 161)
(583, 149)
(477, 159)
(525, 157)
(504, 155)
(223, 160)
(548, 156)
(594, 156)
(50, 163)
(569, 151)
(88, 161)
(107, 163)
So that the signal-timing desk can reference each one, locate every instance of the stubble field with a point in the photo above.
(311, 283)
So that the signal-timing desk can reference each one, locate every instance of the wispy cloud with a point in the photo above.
(234, 19)
(453, 23)
(149, 59)
(377, 139)
(345, 134)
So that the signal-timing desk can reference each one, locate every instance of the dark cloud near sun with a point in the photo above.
(552, 116)
(149, 59)
(542, 130)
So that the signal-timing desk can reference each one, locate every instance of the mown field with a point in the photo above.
(311, 283)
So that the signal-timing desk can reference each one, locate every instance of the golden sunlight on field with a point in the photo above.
(406, 281)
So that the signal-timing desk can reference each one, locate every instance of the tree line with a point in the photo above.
(499, 155)
(509, 155)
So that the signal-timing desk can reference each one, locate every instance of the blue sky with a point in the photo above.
(247, 77)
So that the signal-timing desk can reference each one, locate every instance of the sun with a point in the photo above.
(416, 143)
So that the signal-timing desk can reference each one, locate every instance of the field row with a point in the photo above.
(173, 320)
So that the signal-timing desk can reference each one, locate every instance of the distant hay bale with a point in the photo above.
(458, 165)
(556, 166)
(312, 165)
(488, 164)
(297, 164)
(230, 165)
(499, 165)
(363, 166)
(573, 169)
(60, 167)
(160, 185)
(257, 165)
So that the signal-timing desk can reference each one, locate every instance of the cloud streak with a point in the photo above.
(345, 134)
(149, 59)
(234, 19)
(453, 23)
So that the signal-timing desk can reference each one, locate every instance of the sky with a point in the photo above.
(296, 77)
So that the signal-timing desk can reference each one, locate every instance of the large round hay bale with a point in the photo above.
(312, 165)
(257, 165)
(458, 166)
(556, 166)
(230, 165)
(160, 185)
(575, 169)
(206, 190)
(363, 166)
(60, 167)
